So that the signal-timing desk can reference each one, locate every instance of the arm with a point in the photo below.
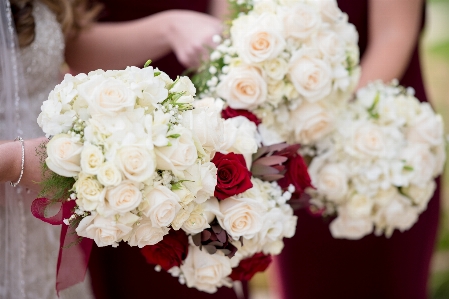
(393, 31)
(11, 163)
(117, 45)
(219, 9)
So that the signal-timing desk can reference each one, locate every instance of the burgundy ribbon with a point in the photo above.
(73, 254)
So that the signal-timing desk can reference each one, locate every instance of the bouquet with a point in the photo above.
(294, 64)
(143, 163)
(376, 171)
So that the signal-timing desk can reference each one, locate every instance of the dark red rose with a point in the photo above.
(233, 177)
(230, 113)
(250, 266)
(169, 252)
(296, 174)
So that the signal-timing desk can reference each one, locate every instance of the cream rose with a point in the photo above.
(107, 96)
(162, 207)
(241, 217)
(332, 182)
(367, 140)
(311, 76)
(184, 85)
(350, 228)
(178, 156)
(243, 88)
(421, 162)
(64, 155)
(144, 233)
(427, 128)
(331, 46)
(197, 221)
(106, 231)
(90, 193)
(123, 198)
(91, 158)
(136, 162)
(420, 195)
(399, 214)
(301, 21)
(257, 43)
(205, 271)
(311, 122)
(275, 68)
(330, 11)
(182, 216)
(109, 175)
(359, 206)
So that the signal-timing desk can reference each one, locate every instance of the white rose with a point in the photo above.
(197, 221)
(52, 120)
(275, 68)
(109, 175)
(180, 155)
(201, 180)
(332, 181)
(205, 271)
(350, 228)
(272, 228)
(206, 124)
(90, 193)
(243, 88)
(269, 136)
(427, 128)
(184, 84)
(144, 233)
(64, 154)
(162, 206)
(330, 11)
(136, 162)
(331, 46)
(108, 96)
(264, 6)
(290, 221)
(311, 122)
(123, 198)
(359, 206)
(106, 231)
(311, 76)
(347, 32)
(420, 195)
(261, 39)
(91, 158)
(399, 214)
(276, 93)
(367, 140)
(184, 194)
(241, 217)
(301, 21)
(421, 162)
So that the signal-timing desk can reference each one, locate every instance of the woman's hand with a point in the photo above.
(190, 35)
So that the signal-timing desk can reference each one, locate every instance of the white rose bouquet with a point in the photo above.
(294, 64)
(376, 171)
(141, 162)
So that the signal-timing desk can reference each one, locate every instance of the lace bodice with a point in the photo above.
(33, 250)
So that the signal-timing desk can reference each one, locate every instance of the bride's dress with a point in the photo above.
(28, 246)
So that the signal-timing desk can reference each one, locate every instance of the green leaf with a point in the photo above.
(174, 136)
(408, 168)
(147, 64)
(157, 73)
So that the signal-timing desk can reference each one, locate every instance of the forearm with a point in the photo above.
(11, 163)
(393, 31)
(219, 9)
(117, 45)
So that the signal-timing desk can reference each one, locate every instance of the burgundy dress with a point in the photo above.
(122, 272)
(314, 265)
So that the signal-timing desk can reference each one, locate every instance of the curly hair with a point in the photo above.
(73, 15)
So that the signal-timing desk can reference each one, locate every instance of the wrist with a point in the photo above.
(11, 161)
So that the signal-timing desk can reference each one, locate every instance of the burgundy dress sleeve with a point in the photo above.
(122, 272)
(314, 265)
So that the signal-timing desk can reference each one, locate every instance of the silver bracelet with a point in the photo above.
(23, 161)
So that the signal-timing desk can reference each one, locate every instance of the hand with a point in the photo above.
(190, 35)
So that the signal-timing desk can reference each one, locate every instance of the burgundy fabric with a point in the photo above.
(313, 265)
(119, 273)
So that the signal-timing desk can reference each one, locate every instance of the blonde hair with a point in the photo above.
(73, 15)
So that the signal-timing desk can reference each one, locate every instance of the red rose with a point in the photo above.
(233, 177)
(230, 113)
(169, 252)
(296, 174)
(250, 266)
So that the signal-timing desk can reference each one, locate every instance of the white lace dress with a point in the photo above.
(30, 255)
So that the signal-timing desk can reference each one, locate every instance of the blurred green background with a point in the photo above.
(435, 58)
